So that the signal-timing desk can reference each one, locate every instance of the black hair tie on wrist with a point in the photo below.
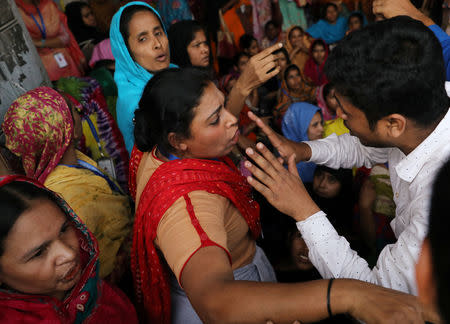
(330, 282)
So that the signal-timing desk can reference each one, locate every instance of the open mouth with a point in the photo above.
(235, 138)
(72, 273)
(161, 58)
(303, 258)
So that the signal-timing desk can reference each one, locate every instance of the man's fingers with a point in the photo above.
(262, 169)
(292, 166)
(262, 189)
(273, 161)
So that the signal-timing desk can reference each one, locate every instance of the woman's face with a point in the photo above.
(272, 31)
(41, 252)
(295, 37)
(315, 129)
(354, 24)
(299, 253)
(198, 50)
(88, 17)
(281, 61)
(242, 63)
(325, 184)
(214, 130)
(318, 53)
(293, 80)
(253, 49)
(331, 14)
(148, 43)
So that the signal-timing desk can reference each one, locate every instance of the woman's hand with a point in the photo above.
(367, 195)
(282, 188)
(260, 68)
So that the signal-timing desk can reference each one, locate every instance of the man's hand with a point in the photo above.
(260, 68)
(282, 188)
(285, 147)
(375, 304)
(393, 8)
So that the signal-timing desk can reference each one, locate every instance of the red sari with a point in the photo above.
(172, 180)
(314, 71)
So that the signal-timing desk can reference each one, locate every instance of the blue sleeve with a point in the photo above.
(315, 30)
(444, 39)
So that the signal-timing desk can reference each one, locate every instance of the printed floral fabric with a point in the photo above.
(38, 127)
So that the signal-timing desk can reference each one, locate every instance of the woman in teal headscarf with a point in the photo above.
(140, 47)
(303, 122)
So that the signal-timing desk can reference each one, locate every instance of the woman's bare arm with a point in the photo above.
(54, 42)
(217, 298)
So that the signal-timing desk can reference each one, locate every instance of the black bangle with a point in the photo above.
(330, 282)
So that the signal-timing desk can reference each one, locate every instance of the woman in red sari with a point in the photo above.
(57, 47)
(49, 270)
(315, 65)
(194, 255)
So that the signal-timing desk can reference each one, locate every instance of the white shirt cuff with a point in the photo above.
(315, 228)
(316, 147)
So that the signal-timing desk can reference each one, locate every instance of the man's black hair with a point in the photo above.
(392, 66)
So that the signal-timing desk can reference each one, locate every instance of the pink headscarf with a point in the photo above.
(102, 51)
(39, 127)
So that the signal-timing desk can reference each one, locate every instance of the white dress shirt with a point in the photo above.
(412, 179)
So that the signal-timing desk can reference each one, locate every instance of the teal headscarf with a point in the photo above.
(130, 77)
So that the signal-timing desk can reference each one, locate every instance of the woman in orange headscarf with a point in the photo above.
(297, 45)
(55, 44)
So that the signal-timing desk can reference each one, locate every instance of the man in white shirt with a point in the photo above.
(389, 80)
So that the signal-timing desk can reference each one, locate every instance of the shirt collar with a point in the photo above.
(411, 164)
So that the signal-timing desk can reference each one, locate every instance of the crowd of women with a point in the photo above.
(131, 170)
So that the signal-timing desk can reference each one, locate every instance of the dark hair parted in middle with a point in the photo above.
(127, 16)
(16, 198)
(246, 41)
(167, 105)
(392, 66)
(290, 68)
(181, 34)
